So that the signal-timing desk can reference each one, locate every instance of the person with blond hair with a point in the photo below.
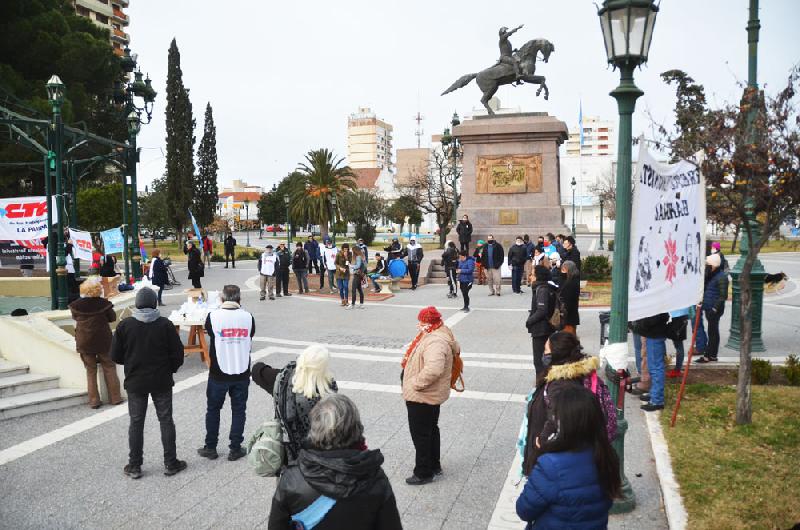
(92, 314)
(295, 389)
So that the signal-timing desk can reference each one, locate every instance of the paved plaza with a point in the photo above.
(63, 469)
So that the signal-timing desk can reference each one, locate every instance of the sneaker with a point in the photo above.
(414, 480)
(498, 293)
(650, 407)
(287, 294)
(491, 294)
(236, 454)
(466, 310)
(672, 374)
(261, 299)
(278, 295)
(438, 471)
(706, 359)
(177, 467)
(133, 471)
(208, 452)
(645, 396)
(272, 298)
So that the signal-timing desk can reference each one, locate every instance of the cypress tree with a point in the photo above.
(205, 196)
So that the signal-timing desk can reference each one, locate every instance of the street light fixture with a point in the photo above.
(247, 220)
(451, 147)
(573, 184)
(288, 232)
(55, 93)
(627, 27)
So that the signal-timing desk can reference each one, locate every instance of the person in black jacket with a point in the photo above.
(464, 231)
(571, 252)
(543, 303)
(394, 250)
(195, 264)
(381, 269)
(492, 258)
(336, 474)
(517, 256)
(230, 249)
(151, 350)
(570, 293)
(450, 264)
(284, 263)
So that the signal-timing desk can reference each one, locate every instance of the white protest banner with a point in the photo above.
(81, 244)
(24, 218)
(668, 226)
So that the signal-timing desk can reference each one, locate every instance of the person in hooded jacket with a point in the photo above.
(543, 303)
(570, 293)
(335, 476)
(151, 350)
(466, 272)
(517, 256)
(714, 297)
(194, 264)
(92, 313)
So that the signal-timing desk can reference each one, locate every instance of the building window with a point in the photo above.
(101, 18)
(602, 137)
(103, 2)
(603, 129)
(587, 130)
(602, 146)
(82, 11)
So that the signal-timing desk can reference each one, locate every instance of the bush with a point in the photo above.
(792, 369)
(365, 232)
(761, 371)
(595, 268)
(244, 255)
(610, 245)
(216, 258)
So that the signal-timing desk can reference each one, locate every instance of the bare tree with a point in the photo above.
(606, 191)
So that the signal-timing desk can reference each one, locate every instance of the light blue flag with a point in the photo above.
(194, 224)
(113, 242)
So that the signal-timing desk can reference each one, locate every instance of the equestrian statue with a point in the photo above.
(514, 66)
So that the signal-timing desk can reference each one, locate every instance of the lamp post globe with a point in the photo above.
(627, 27)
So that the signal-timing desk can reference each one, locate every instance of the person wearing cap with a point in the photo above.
(268, 271)
(230, 333)
(714, 297)
(716, 248)
(394, 250)
(415, 254)
(329, 265)
(284, 264)
(480, 274)
(492, 258)
(151, 350)
(427, 366)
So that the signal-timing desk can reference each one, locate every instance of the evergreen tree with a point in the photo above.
(180, 143)
(205, 195)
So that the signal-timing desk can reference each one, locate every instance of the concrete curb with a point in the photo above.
(677, 518)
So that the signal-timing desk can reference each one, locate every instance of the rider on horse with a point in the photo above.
(506, 52)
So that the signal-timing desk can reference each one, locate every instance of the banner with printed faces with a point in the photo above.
(81, 244)
(24, 218)
(668, 225)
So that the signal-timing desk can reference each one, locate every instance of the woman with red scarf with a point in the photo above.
(427, 367)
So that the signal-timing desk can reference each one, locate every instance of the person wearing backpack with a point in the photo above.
(569, 294)
(337, 481)
(295, 390)
(568, 367)
(426, 382)
(300, 266)
(543, 305)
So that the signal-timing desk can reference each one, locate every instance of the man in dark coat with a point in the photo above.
(230, 249)
(394, 250)
(312, 247)
(543, 302)
(571, 252)
(517, 256)
(464, 231)
(151, 350)
(492, 258)
(194, 264)
(284, 265)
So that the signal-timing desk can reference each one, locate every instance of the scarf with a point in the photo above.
(146, 314)
(229, 305)
(411, 347)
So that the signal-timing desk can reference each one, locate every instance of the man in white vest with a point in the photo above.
(328, 259)
(268, 269)
(231, 331)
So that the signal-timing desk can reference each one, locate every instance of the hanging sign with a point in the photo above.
(81, 244)
(24, 218)
(113, 242)
(668, 226)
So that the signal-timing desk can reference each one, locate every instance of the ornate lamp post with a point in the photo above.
(627, 27)
(573, 184)
(451, 147)
(333, 218)
(288, 232)
(601, 224)
(247, 220)
(55, 93)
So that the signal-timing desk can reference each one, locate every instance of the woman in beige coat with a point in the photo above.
(427, 367)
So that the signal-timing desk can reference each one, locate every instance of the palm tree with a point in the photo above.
(322, 176)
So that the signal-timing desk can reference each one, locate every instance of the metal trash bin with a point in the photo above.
(605, 320)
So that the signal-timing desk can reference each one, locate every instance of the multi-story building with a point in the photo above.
(107, 14)
(369, 141)
(592, 163)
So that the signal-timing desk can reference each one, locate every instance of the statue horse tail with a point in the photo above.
(463, 81)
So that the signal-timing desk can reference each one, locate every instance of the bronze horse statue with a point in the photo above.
(490, 79)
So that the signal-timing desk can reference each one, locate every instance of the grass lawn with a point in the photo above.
(736, 477)
(776, 245)
(601, 294)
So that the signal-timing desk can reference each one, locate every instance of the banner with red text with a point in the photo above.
(81, 244)
(24, 218)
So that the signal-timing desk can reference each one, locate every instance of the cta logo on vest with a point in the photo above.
(234, 332)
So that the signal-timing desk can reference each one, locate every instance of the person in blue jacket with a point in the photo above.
(577, 476)
(465, 271)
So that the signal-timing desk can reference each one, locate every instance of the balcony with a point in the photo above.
(120, 36)
(122, 17)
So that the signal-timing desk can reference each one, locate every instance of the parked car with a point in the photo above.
(275, 228)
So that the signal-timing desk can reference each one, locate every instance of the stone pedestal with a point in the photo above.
(510, 182)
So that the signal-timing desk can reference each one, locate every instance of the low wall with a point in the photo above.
(24, 286)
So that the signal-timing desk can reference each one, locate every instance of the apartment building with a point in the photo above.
(369, 141)
(107, 14)
(598, 138)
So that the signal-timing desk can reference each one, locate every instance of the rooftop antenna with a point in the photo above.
(419, 132)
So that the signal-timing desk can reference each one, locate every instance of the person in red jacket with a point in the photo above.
(208, 245)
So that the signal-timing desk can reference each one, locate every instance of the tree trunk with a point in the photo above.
(735, 239)
(442, 234)
(323, 230)
(744, 405)
(402, 225)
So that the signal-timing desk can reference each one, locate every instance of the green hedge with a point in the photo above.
(595, 268)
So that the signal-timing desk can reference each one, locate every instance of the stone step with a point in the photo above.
(7, 368)
(16, 385)
(437, 274)
(42, 401)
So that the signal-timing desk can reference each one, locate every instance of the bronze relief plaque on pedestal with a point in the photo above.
(508, 217)
(509, 174)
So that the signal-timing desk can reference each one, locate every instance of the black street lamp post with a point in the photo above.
(627, 27)
(55, 93)
(288, 232)
(601, 225)
(573, 184)
(333, 218)
(247, 220)
(451, 147)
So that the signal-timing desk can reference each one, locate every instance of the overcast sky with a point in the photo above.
(283, 77)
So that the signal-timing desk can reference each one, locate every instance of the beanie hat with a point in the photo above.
(481, 242)
(146, 298)
(542, 273)
(713, 260)
(716, 245)
(429, 315)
